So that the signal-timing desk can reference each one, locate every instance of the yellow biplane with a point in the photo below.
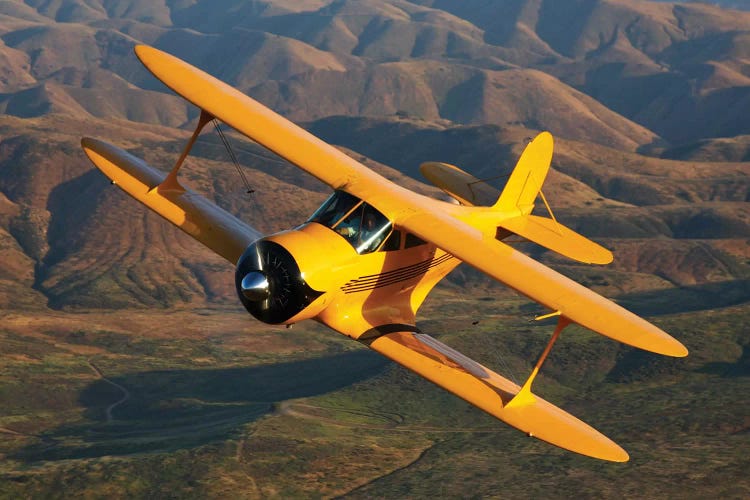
(367, 258)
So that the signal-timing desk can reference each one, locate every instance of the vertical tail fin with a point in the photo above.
(527, 178)
(516, 202)
(519, 195)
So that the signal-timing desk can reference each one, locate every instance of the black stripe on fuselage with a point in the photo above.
(373, 281)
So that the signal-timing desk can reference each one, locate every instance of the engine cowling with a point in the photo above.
(270, 284)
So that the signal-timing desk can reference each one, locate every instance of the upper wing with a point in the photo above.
(256, 121)
(489, 391)
(540, 283)
(214, 227)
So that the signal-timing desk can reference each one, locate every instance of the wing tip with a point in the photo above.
(679, 350)
(92, 147)
(612, 453)
(597, 256)
(142, 50)
(545, 137)
(97, 147)
(89, 143)
(149, 55)
(547, 422)
(604, 257)
(667, 346)
(621, 456)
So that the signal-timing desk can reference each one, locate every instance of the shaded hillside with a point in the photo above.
(664, 66)
(727, 4)
(72, 240)
(722, 149)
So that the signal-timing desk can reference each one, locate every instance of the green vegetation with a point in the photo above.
(203, 417)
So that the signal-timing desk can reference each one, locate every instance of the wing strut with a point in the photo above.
(525, 396)
(170, 183)
(549, 210)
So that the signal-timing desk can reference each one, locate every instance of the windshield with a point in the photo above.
(334, 208)
(359, 223)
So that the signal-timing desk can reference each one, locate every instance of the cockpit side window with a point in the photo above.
(392, 243)
(375, 228)
(413, 241)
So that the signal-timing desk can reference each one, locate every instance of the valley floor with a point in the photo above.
(187, 403)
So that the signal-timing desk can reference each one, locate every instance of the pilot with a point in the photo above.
(368, 226)
(350, 226)
(362, 230)
(373, 233)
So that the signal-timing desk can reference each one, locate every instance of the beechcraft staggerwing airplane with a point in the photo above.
(367, 258)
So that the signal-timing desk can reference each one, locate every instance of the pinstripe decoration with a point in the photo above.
(373, 281)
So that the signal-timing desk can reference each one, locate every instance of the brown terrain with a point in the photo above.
(649, 103)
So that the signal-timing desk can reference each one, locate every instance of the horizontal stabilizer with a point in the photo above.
(462, 186)
(491, 392)
(554, 236)
(203, 220)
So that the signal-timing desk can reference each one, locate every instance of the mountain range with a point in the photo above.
(627, 74)
(648, 101)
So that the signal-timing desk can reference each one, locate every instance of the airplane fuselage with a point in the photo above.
(347, 291)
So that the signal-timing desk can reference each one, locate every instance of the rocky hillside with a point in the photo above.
(626, 74)
(397, 83)
(69, 239)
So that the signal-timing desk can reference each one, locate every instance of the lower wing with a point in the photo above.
(203, 220)
(491, 392)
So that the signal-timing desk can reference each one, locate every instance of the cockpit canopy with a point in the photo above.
(358, 222)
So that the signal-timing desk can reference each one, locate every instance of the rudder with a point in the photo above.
(527, 177)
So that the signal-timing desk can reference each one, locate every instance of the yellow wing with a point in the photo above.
(214, 227)
(256, 121)
(487, 390)
(542, 284)
(433, 221)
